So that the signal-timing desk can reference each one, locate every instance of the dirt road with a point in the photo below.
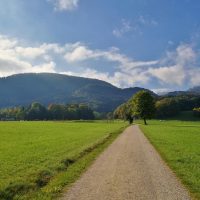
(129, 169)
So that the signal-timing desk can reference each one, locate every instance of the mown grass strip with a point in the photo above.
(178, 144)
(65, 178)
(48, 185)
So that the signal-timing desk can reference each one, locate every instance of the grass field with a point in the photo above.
(34, 154)
(179, 144)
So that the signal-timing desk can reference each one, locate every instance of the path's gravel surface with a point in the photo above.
(129, 169)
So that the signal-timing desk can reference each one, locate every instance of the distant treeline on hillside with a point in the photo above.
(172, 106)
(37, 111)
(166, 107)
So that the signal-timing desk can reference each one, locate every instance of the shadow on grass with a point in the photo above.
(14, 190)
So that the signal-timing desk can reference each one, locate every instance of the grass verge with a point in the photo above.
(178, 144)
(64, 179)
(48, 183)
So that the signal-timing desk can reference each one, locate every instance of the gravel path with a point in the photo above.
(129, 169)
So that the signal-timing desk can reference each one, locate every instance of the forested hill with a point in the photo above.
(46, 88)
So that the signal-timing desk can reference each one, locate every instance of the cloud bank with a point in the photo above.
(174, 69)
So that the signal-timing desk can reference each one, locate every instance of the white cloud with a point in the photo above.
(146, 21)
(133, 26)
(185, 54)
(19, 58)
(6, 43)
(45, 67)
(127, 71)
(125, 28)
(12, 65)
(195, 76)
(174, 69)
(56, 48)
(119, 78)
(171, 75)
(30, 52)
(65, 5)
(15, 58)
(89, 73)
(81, 52)
(162, 91)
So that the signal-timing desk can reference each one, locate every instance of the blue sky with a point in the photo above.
(146, 43)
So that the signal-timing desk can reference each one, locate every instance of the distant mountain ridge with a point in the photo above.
(195, 89)
(191, 91)
(46, 88)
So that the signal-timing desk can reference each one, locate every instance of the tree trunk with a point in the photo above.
(130, 120)
(145, 122)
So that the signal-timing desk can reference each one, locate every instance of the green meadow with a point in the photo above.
(34, 154)
(178, 142)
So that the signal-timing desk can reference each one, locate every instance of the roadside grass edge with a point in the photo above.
(50, 185)
(166, 161)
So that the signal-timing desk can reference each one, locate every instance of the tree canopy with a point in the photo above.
(125, 112)
(37, 111)
(165, 106)
(143, 105)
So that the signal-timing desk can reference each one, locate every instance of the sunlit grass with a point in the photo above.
(41, 150)
(179, 144)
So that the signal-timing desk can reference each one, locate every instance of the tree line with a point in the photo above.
(144, 105)
(37, 111)
(172, 106)
(141, 105)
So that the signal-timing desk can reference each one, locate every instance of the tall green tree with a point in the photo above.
(36, 111)
(143, 105)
